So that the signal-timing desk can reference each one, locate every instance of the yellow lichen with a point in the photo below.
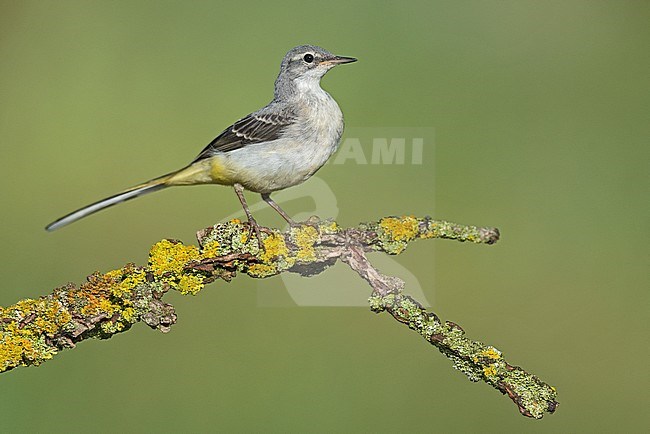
(489, 371)
(329, 227)
(262, 270)
(48, 316)
(114, 274)
(17, 346)
(97, 304)
(129, 314)
(12, 348)
(23, 329)
(131, 279)
(305, 237)
(93, 296)
(190, 284)
(110, 327)
(491, 353)
(107, 307)
(168, 257)
(90, 304)
(274, 246)
(211, 250)
(405, 228)
(46, 325)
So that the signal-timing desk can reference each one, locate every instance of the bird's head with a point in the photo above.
(308, 63)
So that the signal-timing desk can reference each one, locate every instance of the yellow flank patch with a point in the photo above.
(197, 173)
(218, 172)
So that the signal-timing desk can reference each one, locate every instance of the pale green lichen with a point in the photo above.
(328, 227)
(393, 234)
(228, 238)
(443, 229)
(474, 359)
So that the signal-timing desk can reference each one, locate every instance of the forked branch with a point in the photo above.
(33, 331)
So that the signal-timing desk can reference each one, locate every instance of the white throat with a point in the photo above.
(308, 85)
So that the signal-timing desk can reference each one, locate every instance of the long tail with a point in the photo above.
(139, 190)
(196, 173)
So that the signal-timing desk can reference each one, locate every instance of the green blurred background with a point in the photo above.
(541, 115)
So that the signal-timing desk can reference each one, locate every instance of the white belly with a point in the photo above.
(291, 160)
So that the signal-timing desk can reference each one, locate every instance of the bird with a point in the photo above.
(278, 146)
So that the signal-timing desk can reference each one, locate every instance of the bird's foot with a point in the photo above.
(254, 227)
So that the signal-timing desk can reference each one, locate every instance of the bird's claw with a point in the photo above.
(253, 227)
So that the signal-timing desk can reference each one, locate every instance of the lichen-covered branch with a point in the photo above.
(33, 331)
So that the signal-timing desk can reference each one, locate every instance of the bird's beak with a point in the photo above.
(339, 60)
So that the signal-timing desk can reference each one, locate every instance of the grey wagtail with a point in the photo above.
(278, 146)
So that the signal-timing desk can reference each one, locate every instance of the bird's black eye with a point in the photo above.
(308, 58)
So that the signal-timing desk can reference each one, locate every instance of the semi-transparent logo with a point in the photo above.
(339, 285)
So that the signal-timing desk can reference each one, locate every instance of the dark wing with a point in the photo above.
(254, 128)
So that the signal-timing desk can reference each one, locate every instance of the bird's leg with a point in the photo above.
(267, 198)
(253, 226)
